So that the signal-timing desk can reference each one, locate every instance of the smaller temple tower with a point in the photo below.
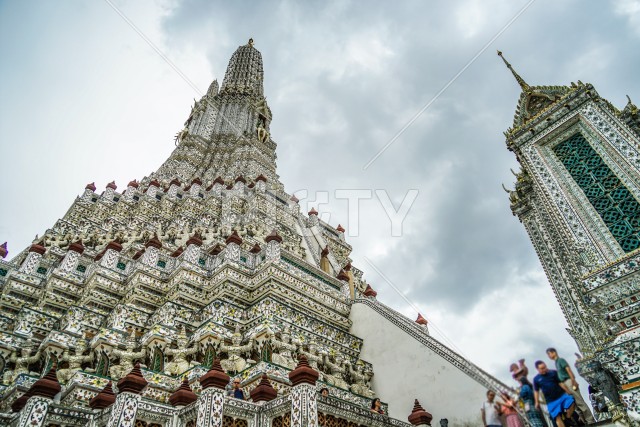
(577, 194)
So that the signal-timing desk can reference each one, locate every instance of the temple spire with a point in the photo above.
(525, 87)
(244, 73)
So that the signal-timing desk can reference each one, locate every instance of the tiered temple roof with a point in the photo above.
(202, 270)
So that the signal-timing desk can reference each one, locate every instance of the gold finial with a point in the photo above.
(250, 42)
(519, 79)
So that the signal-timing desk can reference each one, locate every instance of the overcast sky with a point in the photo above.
(84, 98)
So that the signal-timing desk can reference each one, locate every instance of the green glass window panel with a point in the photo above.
(564, 150)
(601, 172)
(162, 264)
(243, 259)
(635, 222)
(581, 171)
(157, 363)
(584, 180)
(629, 207)
(619, 210)
(602, 204)
(630, 243)
(81, 268)
(594, 162)
(266, 353)
(582, 150)
(593, 192)
(102, 368)
(41, 270)
(121, 266)
(209, 356)
(620, 194)
(612, 215)
(610, 183)
(202, 261)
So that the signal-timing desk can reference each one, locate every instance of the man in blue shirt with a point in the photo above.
(237, 391)
(556, 394)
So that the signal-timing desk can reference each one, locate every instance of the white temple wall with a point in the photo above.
(406, 369)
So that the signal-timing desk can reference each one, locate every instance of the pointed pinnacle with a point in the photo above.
(525, 87)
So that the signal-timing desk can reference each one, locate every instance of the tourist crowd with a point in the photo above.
(551, 399)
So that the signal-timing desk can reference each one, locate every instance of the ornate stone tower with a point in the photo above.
(577, 195)
(143, 303)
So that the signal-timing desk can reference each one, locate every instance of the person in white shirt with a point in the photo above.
(490, 416)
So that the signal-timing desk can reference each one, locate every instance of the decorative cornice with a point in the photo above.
(419, 417)
(104, 399)
(47, 386)
(133, 382)
(303, 374)
(183, 396)
(216, 377)
(264, 391)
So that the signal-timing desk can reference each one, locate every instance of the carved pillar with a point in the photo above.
(261, 183)
(211, 400)
(192, 253)
(152, 189)
(89, 192)
(32, 260)
(110, 191)
(313, 218)
(255, 255)
(293, 206)
(216, 252)
(41, 395)
(35, 411)
(104, 399)
(196, 186)
(304, 403)
(132, 189)
(111, 255)
(124, 410)
(70, 261)
(126, 406)
(273, 246)
(232, 251)
(174, 186)
(183, 396)
(240, 183)
(218, 184)
(150, 257)
(346, 289)
(351, 280)
(152, 252)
